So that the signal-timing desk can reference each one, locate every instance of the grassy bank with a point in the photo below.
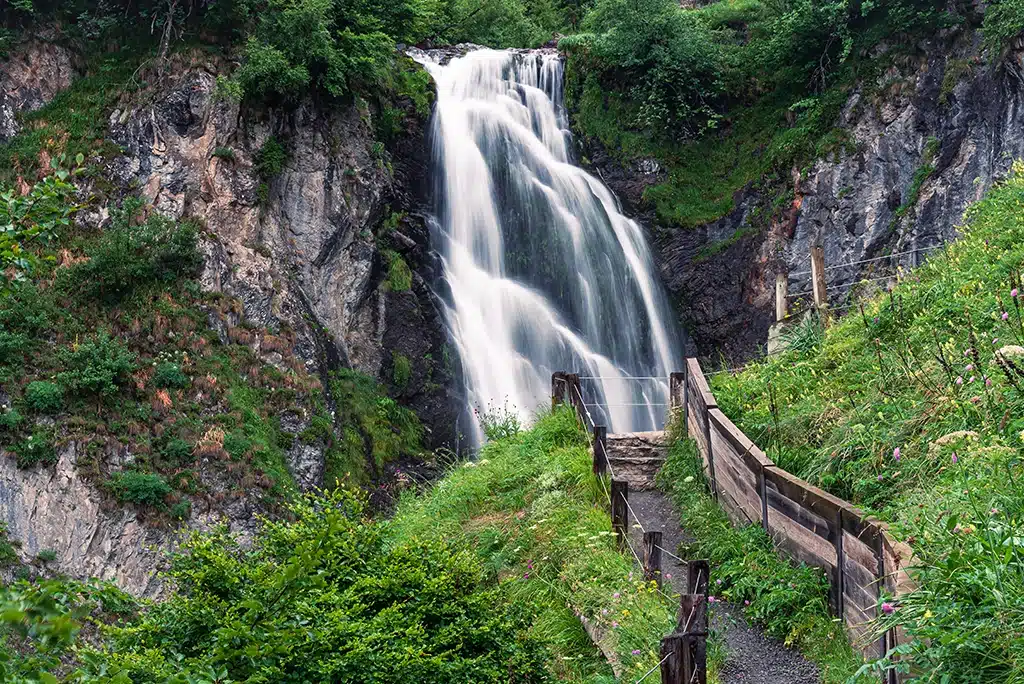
(533, 512)
(915, 410)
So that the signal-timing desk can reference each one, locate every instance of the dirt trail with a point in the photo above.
(751, 656)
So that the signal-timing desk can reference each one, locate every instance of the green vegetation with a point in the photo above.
(401, 370)
(43, 396)
(47, 556)
(913, 411)
(399, 273)
(536, 518)
(789, 602)
(331, 596)
(734, 94)
(143, 489)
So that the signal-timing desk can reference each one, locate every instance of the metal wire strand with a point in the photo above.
(651, 671)
(638, 521)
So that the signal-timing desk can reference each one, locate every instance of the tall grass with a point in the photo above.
(914, 409)
(533, 511)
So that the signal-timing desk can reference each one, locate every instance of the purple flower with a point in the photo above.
(711, 599)
(746, 603)
(604, 611)
(668, 575)
(888, 608)
(959, 380)
(995, 340)
(988, 382)
(615, 625)
(896, 453)
(969, 367)
(955, 458)
(718, 581)
(526, 575)
(615, 595)
(1006, 316)
(971, 380)
(881, 477)
(635, 651)
(1013, 292)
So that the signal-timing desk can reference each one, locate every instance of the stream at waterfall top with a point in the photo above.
(542, 271)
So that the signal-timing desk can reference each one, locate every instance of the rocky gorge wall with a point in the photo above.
(925, 140)
(308, 252)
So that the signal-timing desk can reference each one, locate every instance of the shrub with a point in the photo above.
(10, 419)
(32, 219)
(43, 396)
(401, 370)
(47, 556)
(399, 273)
(237, 444)
(143, 489)
(177, 452)
(181, 510)
(169, 375)
(98, 366)
(128, 257)
(1004, 21)
(270, 159)
(36, 448)
(225, 153)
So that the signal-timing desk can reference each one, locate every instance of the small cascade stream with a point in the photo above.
(544, 272)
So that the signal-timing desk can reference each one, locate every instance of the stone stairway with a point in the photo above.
(636, 457)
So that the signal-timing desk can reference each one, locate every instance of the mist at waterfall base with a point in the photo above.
(543, 272)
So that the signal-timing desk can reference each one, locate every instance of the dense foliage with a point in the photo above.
(734, 93)
(913, 409)
(327, 597)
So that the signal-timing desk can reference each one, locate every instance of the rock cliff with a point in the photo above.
(328, 254)
(924, 141)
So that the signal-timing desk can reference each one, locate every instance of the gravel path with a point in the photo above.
(752, 658)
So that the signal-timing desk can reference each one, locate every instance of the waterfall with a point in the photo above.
(544, 272)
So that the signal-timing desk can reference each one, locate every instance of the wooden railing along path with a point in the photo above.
(858, 555)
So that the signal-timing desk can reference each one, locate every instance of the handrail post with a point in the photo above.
(781, 287)
(558, 386)
(620, 495)
(572, 381)
(686, 399)
(676, 388)
(818, 277)
(652, 557)
(600, 450)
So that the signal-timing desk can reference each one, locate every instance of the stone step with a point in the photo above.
(636, 457)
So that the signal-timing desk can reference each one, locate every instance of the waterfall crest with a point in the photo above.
(544, 272)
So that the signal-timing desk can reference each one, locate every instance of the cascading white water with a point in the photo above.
(544, 272)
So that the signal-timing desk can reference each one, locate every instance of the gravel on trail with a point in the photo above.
(752, 657)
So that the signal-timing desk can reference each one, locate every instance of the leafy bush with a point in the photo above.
(36, 448)
(128, 257)
(401, 370)
(144, 489)
(43, 396)
(33, 219)
(1004, 21)
(416, 610)
(10, 419)
(399, 273)
(500, 422)
(47, 556)
(170, 376)
(177, 451)
(236, 444)
(98, 366)
(270, 159)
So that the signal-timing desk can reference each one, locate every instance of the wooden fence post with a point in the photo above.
(818, 277)
(686, 398)
(676, 390)
(600, 450)
(620, 518)
(880, 557)
(764, 502)
(652, 557)
(711, 455)
(572, 382)
(672, 648)
(781, 287)
(557, 388)
(698, 577)
(694, 630)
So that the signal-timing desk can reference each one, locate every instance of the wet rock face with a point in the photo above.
(305, 256)
(924, 142)
(30, 78)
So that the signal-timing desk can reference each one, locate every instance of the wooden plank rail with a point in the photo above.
(857, 553)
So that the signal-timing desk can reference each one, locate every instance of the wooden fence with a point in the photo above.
(857, 553)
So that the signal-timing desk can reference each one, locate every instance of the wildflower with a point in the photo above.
(881, 477)
(969, 367)
(668, 575)
(526, 575)
(604, 611)
(1013, 292)
(975, 400)
(896, 453)
(635, 651)
(746, 603)
(971, 380)
(711, 599)
(994, 511)
(995, 340)
(959, 380)
(888, 608)
(1005, 316)
(988, 382)
(615, 625)
(955, 458)
(615, 595)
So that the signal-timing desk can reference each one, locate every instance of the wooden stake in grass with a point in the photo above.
(620, 494)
